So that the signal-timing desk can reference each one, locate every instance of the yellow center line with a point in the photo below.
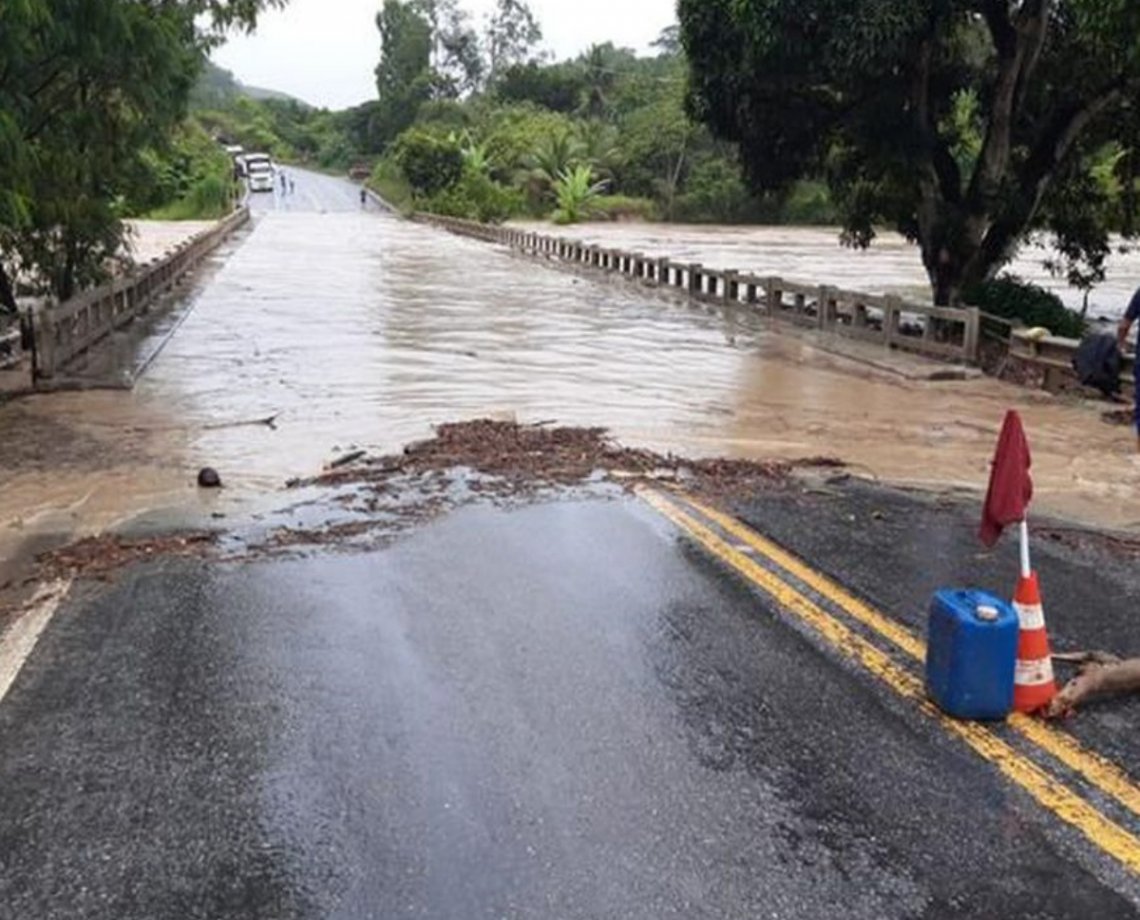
(1099, 771)
(1047, 791)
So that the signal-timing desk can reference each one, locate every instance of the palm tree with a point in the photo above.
(601, 78)
(599, 144)
(558, 153)
(476, 158)
(576, 191)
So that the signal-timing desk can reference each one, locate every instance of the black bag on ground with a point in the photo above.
(1098, 361)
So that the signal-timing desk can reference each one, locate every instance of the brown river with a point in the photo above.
(357, 330)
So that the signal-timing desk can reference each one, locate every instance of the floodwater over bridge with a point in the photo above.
(356, 329)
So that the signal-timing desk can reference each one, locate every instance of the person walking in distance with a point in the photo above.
(363, 197)
(1130, 317)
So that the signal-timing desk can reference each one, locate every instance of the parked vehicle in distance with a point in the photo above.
(259, 171)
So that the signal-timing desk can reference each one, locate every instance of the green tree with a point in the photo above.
(87, 89)
(600, 145)
(559, 87)
(404, 77)
(456, 57)
(576, 192)
(601, 64)
(512, 33)
(430, 163)
(658, 143)
(966, 124)
(558, 154)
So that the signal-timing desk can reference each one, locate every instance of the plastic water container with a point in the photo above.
(971, 654)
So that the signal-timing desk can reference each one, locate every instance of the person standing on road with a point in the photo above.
(292, 186)
(363, 197)
(283, 181)
(1130, 317)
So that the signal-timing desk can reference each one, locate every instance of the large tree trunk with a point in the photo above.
(949, 252)
(944, 268)
(967, 231)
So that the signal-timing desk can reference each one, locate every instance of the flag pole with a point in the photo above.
(1026, 569)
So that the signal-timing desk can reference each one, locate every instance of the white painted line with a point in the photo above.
(17, 643)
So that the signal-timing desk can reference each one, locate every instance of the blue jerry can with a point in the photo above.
(971, 653)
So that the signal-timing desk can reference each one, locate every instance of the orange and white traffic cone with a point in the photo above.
(1033, 684)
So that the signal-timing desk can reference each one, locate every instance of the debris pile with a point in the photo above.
(97, 557)
(520, 456)
(381, 496)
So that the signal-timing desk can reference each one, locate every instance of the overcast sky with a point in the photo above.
(324, 51)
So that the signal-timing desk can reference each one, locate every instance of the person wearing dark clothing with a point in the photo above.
(1098, 362)
(1130, 317)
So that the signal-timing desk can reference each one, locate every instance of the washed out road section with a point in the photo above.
(594, 723)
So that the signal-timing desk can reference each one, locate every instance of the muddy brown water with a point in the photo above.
(814, 255)
(357, 330)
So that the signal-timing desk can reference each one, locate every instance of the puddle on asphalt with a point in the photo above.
(359, 331)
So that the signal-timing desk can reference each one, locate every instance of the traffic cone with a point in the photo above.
(1033, 683)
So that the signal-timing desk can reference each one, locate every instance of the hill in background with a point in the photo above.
(218, 88)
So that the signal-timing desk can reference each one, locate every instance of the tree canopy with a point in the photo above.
(429, 50)
(87, 87)
(965, 124)
(540, 137)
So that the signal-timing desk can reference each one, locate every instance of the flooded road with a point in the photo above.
(356, 330)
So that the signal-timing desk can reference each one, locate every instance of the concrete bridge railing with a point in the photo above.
(64, 331)
(1053, 355)
(891, 321)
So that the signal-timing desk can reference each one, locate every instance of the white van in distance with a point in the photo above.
(259, 169)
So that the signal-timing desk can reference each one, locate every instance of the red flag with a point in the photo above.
(1010, 486)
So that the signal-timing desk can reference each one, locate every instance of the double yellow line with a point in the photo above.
(1106, 834)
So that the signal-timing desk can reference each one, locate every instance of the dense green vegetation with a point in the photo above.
(189, 178)
(965, 124)
(91, 91)
(1030, 304)
(477, 126)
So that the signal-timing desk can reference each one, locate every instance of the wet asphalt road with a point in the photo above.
(895, 549)
(312, 192)
(563, 711)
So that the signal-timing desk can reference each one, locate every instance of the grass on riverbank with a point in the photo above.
(210, 198)
(388, 181)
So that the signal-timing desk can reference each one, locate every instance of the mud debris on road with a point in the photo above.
(97, 557)
(520, 457)
(362, 502)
